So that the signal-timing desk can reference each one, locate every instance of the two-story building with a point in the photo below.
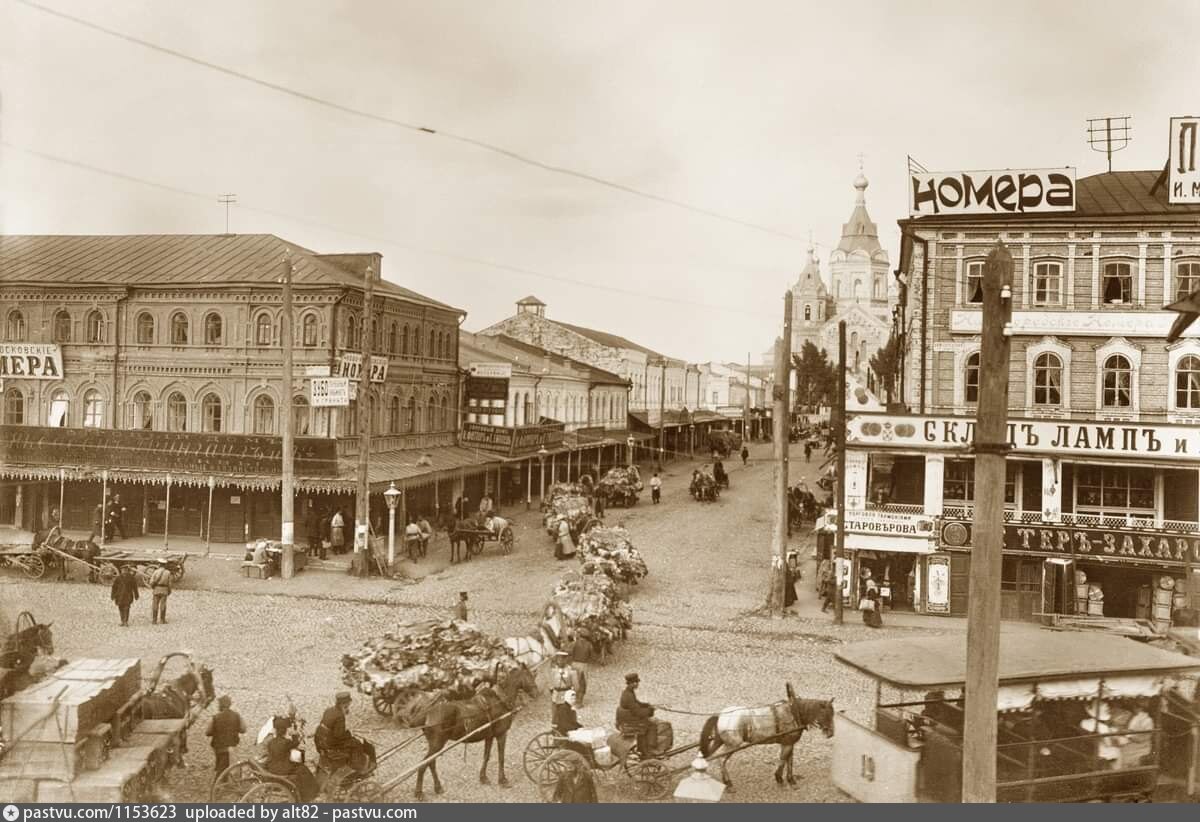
(1103, 492)
(170, 386)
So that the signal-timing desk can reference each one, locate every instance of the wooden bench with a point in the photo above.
(253, 570)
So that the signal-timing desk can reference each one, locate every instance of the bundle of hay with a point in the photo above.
(611, 551)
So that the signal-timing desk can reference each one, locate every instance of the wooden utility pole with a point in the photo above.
(287, 535)
(780, 419)
(746, 403)
(362, 500)
(839, 428)
(987, 540)
(662, 410)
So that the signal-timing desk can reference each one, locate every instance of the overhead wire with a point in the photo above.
(409, 126)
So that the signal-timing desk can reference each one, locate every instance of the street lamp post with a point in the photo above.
(541, 454)
(392, 497)
(629, 450)
(692, 440)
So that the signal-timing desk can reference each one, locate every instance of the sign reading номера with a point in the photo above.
(1022, 191)
(34, 361)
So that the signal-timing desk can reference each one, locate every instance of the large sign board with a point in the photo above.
(511, 441)
(1023, 191)
(31, 361)
(1183, 178)
(486, 388)
(887, 523)
(350, 366)
(937, 584)
(1126, 545)
(1159, 441)
(327, 392)
(498, 370)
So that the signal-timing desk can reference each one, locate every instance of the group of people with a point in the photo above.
(108, 518)
(326, 531)
(125, 592)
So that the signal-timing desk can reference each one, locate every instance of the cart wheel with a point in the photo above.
(270, 792)
(232, 783)
(475, 545)
(408, 706)
(652, 779)
(537, 752)
(381, 700)
(365, 791)
(108, 572)
(338, 783)
(506, 539)
(562, 761)
(147, 571)
(34, 567)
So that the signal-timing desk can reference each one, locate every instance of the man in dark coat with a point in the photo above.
(124, 592)
(334, 739)
(226, 729)
(634, 715)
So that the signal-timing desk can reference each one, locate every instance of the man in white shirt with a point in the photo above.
(655, 489)
(412, 538)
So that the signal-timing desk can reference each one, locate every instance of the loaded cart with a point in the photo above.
(1081, 717)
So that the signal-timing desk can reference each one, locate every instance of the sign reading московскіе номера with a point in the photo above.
(34, 361)
(1158, 441)
(1020, 191)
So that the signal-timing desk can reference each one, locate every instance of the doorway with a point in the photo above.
(1058, 586)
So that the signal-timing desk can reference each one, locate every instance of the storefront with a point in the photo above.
(888, 547)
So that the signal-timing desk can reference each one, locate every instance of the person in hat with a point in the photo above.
(225, 729)
(284, 759)
(460, 607)
(633, 715)
(565, 677)
(160, 585)
(333, 737)
(124, 592)
(564, 720)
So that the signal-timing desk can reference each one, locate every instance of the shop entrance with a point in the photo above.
(1058, 587)
(1020, 588)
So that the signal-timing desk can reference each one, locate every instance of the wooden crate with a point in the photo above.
(124, 777)
(66, 707)
(126, 674)
(49, 760)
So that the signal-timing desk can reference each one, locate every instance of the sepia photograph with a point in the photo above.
(653, 402)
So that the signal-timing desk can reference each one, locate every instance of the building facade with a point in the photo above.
(1103, 491)
(174, 344)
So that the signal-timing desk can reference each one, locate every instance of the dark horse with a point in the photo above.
(19, 650)
(176, 699)
(782, 722)
(85, 550)
(467, 720)
(463, 535)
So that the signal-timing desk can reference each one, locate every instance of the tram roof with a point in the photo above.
(1025, 656)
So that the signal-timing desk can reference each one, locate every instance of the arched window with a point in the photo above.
(527, 414)
(212, 328)
(93, 409)
(432, 350)
(179, 328)
(1117, 390)
(410, 415)
(857, 290)
(416, 352)
(141, 412)
(212, 413)
(95, 326)
(375, 341)
(62, 326)
(60, 409)
(145, 328)
(404, 341)
(1047, 380)
(350, 338)
(878, 292)
(840, 291)
(350, 419)
(446, 346)
(1187, 383)
(176, 412)
(971, 379)
(807, 312)
(392, 339)
(308, 331)
(431, 417)
(16, 326)
(373, 415)
(394, 416)
(14, 406)
(299, 416)
(447, 418)
(263, 329)
(264, 415)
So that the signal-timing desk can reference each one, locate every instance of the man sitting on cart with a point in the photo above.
(335, 741)
(284, 759)
(495, 524)
(633, 715)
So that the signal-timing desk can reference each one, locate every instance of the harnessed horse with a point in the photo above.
(783, 722)
(19, 651)
(478, 719)
(52, 545)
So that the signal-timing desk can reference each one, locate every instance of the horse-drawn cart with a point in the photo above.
(1081, 717)
(475, 537)
(144, 563)
(26, 557)
(549, 755)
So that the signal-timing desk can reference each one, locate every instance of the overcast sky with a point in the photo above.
(755, 110)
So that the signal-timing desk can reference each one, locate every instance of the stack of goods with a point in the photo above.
(622, 484)
(564, 489)
(576, 510)
(610, 551)
(1164, 601)
(591, 605)
(704, 484)
(426, 656)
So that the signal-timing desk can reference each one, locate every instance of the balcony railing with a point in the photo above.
(896, 508)
(1129, 522)
(348, 446)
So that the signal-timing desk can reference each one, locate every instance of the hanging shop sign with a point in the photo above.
(1083, 439)
(937, 584)
(521, 441)
(498, 370)
(316, 371)
(486, 388)
(887, 523)
(326, 392)
(1183, 178)
(32, 361)
(350, 366)
(1119, 545)
(1023, 191)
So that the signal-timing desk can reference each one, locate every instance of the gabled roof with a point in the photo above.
(611, 340)
(598, 375)
(530, 300)
(181, 260)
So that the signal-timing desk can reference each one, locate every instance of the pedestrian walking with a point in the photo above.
(337, 532)
(791, 575)
(125, 592)
(871, 615)
(745, 455)
(312, 529)
(599, 500)
(226, 729)
(656, 489)
(564, 546)
(98, 523)
(160, 585)
(808, 451)
(460, 607)
(116, 517)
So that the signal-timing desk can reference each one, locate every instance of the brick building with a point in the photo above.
(1103, 491)
(171, 382)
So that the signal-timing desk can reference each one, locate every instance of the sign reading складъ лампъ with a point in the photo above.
(34, 361)
(1021, 191)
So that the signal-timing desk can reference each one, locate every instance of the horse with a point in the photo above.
(19, 651)
(175, 699)
(54, 549)
(462, 534)
(783, 722)
(478, 719)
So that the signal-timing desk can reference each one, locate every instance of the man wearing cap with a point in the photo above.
(564, 678)
(334, 738)
(226, 729)
(160, 585)
(634, 715)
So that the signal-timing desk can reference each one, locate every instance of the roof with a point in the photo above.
(404, 469)
(1025, 656)
(530, 300)
(810, 276)
(611, 340)
(155, 260)
(860, 233)
(1111, 195)
(593, 373)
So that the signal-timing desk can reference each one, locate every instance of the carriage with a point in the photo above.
(474, 538)
(621, 486)
(1081, 717)
(144, 563)
(29, 559)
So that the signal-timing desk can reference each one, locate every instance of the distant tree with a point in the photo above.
(886, 365)
(816, 376)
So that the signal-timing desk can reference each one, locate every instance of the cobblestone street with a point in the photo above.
(697, 641)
